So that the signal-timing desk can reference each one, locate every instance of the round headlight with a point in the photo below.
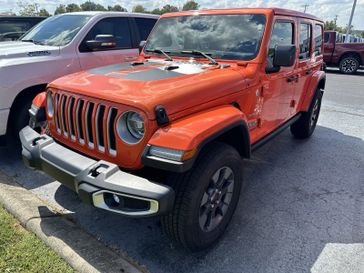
(130, 127)
(50, 105)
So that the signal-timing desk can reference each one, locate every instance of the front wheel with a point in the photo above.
(206, 198)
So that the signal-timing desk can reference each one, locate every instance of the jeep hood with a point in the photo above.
(18, 49)
(175, 85)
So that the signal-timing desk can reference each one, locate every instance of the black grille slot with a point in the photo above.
(57, 119)
(110, 130)
(99, 127)
(88, 118)
(63, 114)
(79, 108)
(71, 122)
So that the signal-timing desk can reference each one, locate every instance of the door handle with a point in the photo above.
(309, 72)
(292, 78)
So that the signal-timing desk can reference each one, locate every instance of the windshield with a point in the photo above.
(233, 37)
(57, 30)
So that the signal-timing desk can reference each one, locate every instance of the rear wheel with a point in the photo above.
(206, 198)
(349, 64)
(306, 124)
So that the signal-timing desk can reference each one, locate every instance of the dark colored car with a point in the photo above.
(13, 27)
(347, 56)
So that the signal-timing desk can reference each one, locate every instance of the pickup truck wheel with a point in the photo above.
(349, 65)
(20, 119)
(206, 198)
(306, 124)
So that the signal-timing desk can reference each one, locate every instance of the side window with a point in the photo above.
(14, 26)
(318, 40)
(145, 26)
(118, 27)
(282, 34)
(326, 37)
(305, 41)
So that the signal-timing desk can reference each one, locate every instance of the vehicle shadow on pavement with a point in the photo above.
(301, 196)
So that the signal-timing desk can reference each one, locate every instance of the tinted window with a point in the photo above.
(14, 26)
(326, 37)
(305, 41)
(282, 34)
(57, 30)
(118, 27)
(145, 26)
(318, 39)
(221, 36)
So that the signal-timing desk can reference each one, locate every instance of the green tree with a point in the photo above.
(330, 25)
(157, 11)
(191, 5)
(60, 9)
(169, 8)
(26, 9)
(117, 8)
(139, 8)
(43, 12)
(91, 6)
(362, 34)
(73, 7)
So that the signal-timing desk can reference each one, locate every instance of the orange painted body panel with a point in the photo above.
(40, 100)
(187, 133)
(197, 104)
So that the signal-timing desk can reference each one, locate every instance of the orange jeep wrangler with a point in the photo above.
(166, 135)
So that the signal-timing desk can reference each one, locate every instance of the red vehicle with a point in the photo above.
(166, 135)
(347, 56)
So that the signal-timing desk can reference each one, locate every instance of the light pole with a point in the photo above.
(347, 39)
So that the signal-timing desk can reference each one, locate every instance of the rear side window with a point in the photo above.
(305, 40)
(282, 34)
(326, 37)
(145, 26)
(14, 26)
(118, 27)
(318, 39)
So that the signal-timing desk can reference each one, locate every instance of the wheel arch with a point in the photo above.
(351, 53)
(26, 94)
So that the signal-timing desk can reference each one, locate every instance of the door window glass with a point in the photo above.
(282, 35)
(117, 27)
(305, 40)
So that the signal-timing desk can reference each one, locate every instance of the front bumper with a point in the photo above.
(99, 183)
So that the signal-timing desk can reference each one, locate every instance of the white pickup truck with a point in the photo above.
(61, 45)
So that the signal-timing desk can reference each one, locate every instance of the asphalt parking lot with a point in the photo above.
(302, 210)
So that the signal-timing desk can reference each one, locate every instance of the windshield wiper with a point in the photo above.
(197, 52)
(32, 41)
(157, 50)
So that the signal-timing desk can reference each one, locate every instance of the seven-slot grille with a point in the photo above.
(87, 122)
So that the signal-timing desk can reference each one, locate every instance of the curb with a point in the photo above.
(80, 250)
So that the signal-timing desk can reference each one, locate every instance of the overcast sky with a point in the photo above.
(325, 9)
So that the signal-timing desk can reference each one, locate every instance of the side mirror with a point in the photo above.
(102, 41)
(141, 46)
(284, 56)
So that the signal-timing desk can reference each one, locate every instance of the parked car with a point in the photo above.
(13, 27)
(209, 87)
(348, 57)
(61, 45)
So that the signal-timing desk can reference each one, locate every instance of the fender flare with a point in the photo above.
(318, 81)
(195, 132)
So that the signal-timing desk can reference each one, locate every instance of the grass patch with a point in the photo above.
(22, 251)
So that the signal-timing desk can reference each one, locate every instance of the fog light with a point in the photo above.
(116, 199)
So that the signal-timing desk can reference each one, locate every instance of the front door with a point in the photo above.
(279, 84)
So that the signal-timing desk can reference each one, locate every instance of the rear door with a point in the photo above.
(125, 50)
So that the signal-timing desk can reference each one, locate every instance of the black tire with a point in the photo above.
(306, 124)
(182, 224)
(349, 64)
(19, 119)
